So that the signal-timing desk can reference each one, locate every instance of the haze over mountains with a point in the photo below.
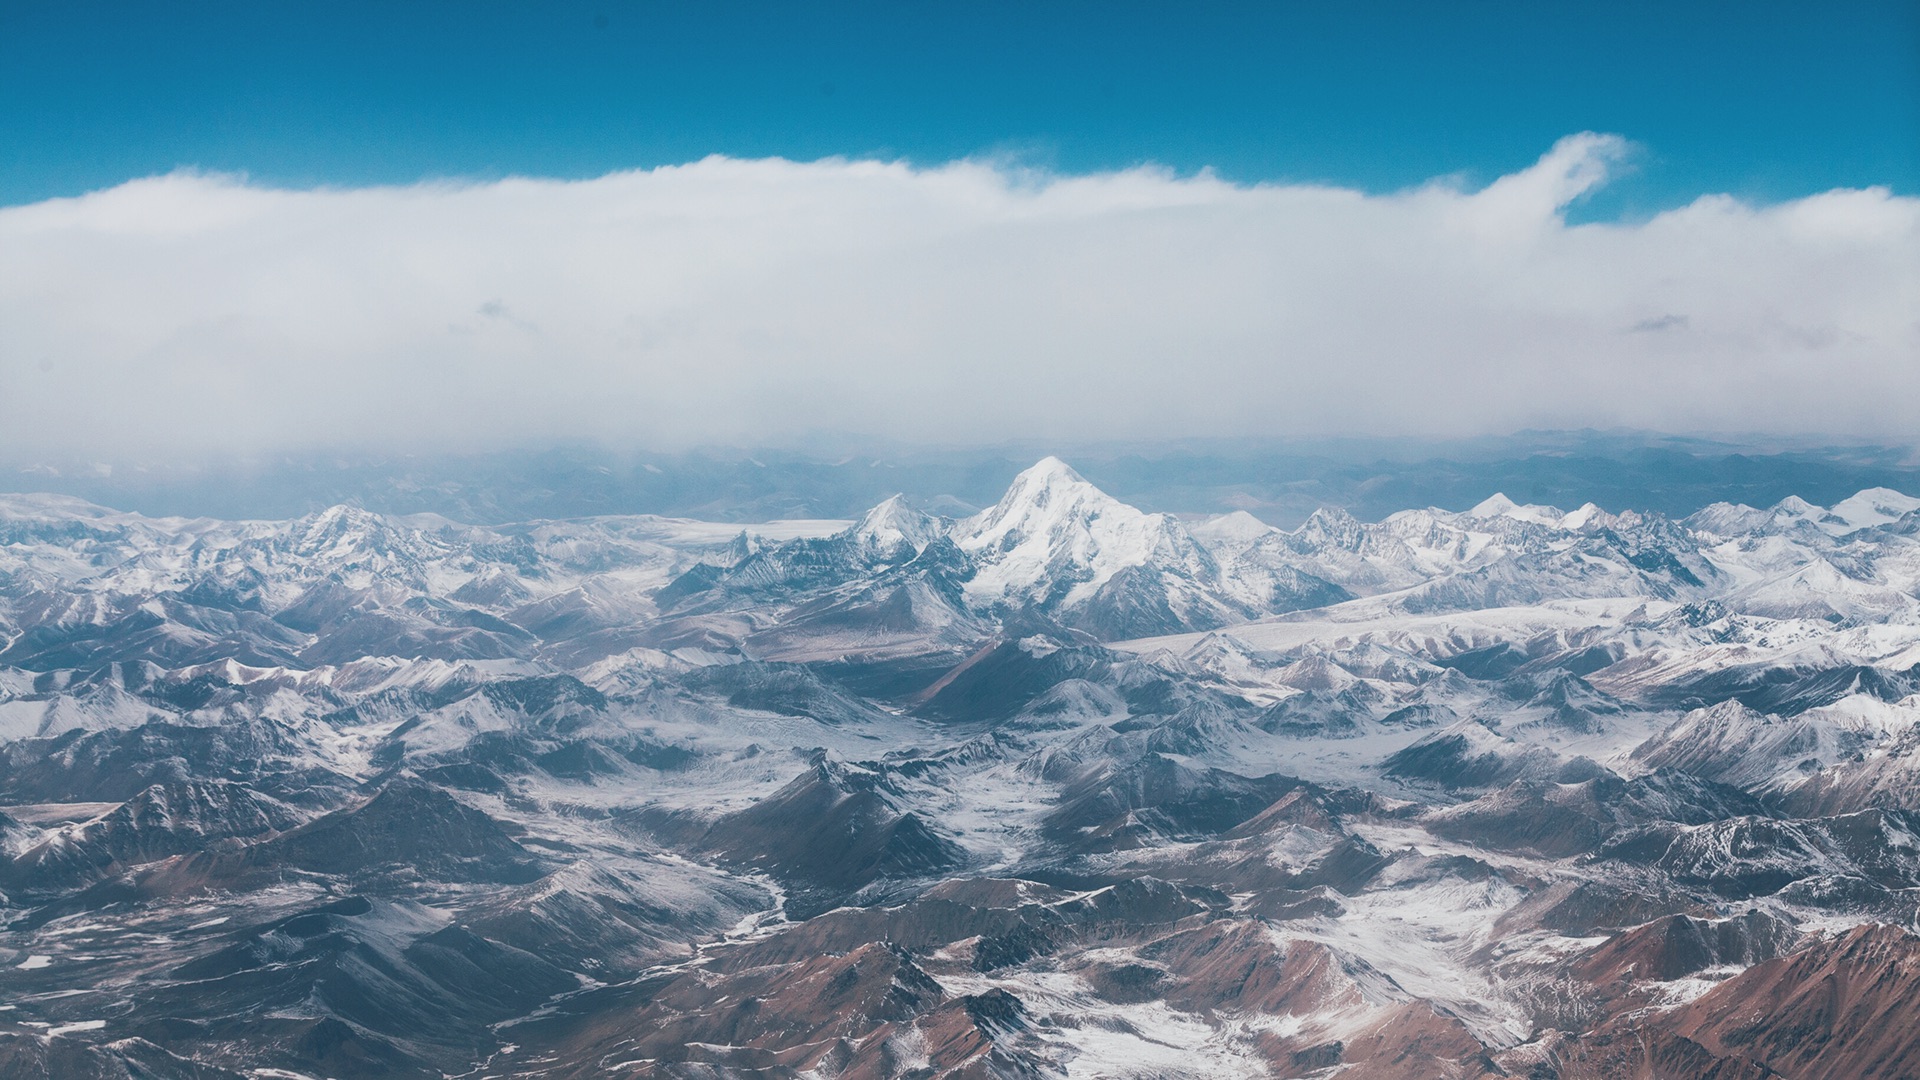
(1050, 785)
(1281, 481)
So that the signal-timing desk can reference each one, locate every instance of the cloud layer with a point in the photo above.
(752, 301)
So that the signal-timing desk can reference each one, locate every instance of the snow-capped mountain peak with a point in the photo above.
(1499, 505)
(1049, 488)
(1329, 528)
(1587, 514)
(1862, 510)
(1874, 506)
(1055, 540)
(1233, 530)
(337, 528)
(1794, 510)
(1492, 506)
(1046, 503)
(893, 526)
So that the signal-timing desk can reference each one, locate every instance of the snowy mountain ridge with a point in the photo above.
(1061, 788)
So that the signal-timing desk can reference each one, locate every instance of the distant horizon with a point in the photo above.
(823, 445)
(1279, 481)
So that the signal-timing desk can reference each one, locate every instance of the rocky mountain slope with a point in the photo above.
(1064, 788)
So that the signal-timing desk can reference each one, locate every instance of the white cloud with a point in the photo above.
(733, 300)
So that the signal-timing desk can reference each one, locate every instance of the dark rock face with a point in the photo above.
(1559, 820)
(1316, 712)
(31, 1057)
(1836, 1008)
(1156, 797)
(831, 832)
(113, 766)
(1000, 680)
(407, 827)
(1680, 945)
(162, 821)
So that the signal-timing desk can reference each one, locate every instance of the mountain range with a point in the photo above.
(1057, 788)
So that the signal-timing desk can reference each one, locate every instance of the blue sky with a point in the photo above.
(1767, 101)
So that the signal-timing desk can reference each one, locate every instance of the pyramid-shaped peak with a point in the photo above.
(1050, 487)
(1218, 643)
(888, 509)
(1316, 672)
(1329, 521)
(1237, 527)
(1493, 506)
(1498, 505)
(342, 513)
(1054, 537)
(1587, 514)
(1333, 515)
(1049, 474)
(1051, 468)
(338, 524)
(893, 525)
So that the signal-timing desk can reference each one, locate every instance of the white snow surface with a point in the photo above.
(1053, 528)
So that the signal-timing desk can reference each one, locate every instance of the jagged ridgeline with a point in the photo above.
(1063, 788)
